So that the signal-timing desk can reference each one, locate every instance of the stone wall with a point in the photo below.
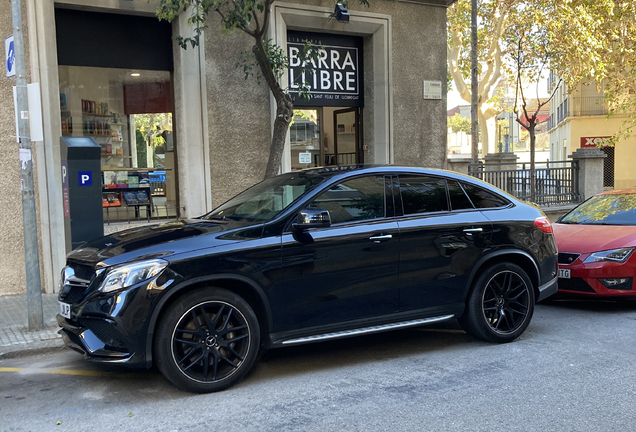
(12, 269)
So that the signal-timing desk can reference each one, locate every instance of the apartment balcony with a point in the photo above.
(588, 106)
(579, 107)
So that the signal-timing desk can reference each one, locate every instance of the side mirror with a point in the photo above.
(312, 218)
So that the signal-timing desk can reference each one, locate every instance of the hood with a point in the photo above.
(577, 238)
(162, 241)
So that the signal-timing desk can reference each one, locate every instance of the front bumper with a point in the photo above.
(109, 328)
(99, 342)
(585, 279)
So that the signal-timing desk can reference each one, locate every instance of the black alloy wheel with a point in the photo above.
(500, 305)
(207, 341)
(505, 302)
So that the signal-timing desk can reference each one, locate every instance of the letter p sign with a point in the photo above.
(85, 178)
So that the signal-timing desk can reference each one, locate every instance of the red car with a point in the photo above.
(596, 244)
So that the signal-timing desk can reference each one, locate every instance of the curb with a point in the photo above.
(34, 348)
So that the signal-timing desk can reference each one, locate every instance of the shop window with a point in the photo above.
(304, 139)
(129, 114)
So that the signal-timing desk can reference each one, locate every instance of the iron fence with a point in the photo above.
(555, 182)
(342, 159)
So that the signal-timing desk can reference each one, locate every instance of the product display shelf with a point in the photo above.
(95, 114)
(121, 201)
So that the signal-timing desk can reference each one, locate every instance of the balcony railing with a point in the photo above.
(588, 106)
(578, 107)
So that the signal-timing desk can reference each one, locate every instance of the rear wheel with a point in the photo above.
(500, 305)
(207, 340)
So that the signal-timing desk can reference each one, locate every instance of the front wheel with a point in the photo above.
(207, 340)
(500, 304)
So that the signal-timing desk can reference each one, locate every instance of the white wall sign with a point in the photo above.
(35, 112)
(34, 115)
(432, 89)
(304, 158)
(9, 56)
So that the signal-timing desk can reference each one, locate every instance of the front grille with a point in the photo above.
(82, 271)
(104, 331)
(72, 293)
(575, 284)
(567, 258)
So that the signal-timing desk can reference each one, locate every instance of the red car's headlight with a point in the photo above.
(615, 255)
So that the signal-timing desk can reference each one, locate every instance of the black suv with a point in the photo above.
(304, 257)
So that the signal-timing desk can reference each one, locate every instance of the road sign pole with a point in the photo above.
(32, 258)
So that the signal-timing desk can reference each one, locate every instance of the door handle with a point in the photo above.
(380, 238)
(473, 230)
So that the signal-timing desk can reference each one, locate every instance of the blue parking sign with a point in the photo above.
(9, 53)
(85, 178)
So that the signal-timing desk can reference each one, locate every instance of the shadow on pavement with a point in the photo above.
(592, 304)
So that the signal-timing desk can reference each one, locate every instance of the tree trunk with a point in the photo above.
(284, 110)
(483, 127)
(474, 85)
(284, 115)
(533, 172)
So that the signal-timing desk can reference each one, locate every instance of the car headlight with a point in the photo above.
(127, 275)
(615, 255)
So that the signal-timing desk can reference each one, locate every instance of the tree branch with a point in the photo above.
(258, 26)
(266, 12)
(266, 69)
(485, 88)
(492, 51)
(453, 64)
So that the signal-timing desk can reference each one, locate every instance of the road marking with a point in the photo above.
(75, 372)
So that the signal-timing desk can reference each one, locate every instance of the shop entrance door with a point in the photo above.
(347, 141)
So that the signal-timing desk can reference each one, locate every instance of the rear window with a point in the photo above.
(482, 198)
(459, 199)
(422, 194)
(617, 209)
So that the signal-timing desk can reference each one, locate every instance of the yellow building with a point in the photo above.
(578, 118)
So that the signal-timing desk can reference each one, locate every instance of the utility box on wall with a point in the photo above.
(82, 190)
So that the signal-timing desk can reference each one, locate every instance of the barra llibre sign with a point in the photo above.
(334, 78)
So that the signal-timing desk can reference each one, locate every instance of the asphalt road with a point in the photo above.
(573, 370)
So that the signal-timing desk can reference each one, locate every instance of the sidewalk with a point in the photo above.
(15, 336)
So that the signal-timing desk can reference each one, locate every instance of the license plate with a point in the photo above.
(65, 309)
(564, 273)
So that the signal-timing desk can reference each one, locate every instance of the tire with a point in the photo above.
(196, 359)
(500, 304)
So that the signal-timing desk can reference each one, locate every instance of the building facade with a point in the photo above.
(579, 119)
(186, 129)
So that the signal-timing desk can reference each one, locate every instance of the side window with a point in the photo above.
(422, 194)
(482, 198)
(353, 200)
(459, 200)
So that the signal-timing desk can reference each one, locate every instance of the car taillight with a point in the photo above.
(543, 224)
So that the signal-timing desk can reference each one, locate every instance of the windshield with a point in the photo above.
(619, 209)
(267, 199)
